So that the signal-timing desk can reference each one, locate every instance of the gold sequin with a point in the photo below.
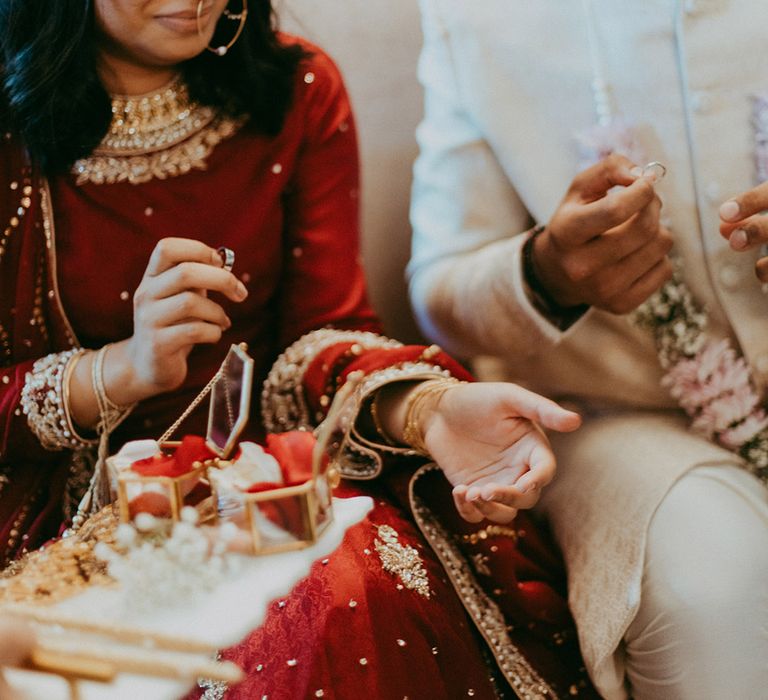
(491, 531)
(402, 560)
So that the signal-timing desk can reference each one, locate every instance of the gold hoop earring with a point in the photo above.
(240, 17)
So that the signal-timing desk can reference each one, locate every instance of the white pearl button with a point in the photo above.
(729, 276)
(691, 7)
(714, 192)
(701, 102)
(761, 362)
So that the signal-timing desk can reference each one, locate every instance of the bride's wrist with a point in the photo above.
(122, 383)
(421, 408)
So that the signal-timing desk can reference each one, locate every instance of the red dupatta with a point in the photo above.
(32, 325)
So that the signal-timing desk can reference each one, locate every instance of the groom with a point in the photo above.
(663, 530)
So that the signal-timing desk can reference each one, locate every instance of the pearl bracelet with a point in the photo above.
(44, 400)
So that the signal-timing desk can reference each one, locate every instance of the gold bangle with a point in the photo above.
(417, 400)
(377, 424)
(110, 414)
(66, 391)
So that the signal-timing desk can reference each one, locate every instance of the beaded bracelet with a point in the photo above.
(430, 389)
(561, 316)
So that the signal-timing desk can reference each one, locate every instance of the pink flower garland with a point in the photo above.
(707, 377)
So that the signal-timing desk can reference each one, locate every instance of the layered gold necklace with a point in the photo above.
(159, 134)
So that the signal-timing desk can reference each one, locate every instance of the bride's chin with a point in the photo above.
(173, 52)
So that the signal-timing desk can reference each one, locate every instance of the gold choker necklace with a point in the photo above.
(159, 134)
(154, 121)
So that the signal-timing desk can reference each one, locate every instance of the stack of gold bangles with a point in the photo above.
(425, 394)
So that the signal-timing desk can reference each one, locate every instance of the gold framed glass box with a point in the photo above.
(161, 478)
(281, 493)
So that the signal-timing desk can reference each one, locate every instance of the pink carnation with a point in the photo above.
(725, 411)
(715, 371)
(744, 431)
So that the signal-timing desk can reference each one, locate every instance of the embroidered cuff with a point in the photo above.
(283, 399)
(361, 457)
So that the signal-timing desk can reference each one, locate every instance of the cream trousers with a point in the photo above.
(701, 630)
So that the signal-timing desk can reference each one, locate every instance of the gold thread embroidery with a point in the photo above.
(283, 404)
(486, 614)
(402, 560)
(481, 564)
(49, 228)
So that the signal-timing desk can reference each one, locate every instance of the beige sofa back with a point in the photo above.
(376, 45)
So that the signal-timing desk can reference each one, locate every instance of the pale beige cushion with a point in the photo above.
(376, 45)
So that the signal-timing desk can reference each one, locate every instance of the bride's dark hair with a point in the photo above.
(52, 98)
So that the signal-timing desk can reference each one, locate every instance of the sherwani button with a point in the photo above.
(714, 192)
(701, 102)
(729, 276)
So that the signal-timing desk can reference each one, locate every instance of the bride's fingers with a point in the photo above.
(520, 401)
(466, 510)
(510, 496)
(541, 469)
(495, 512)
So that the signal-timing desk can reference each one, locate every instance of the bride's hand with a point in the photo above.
(172, 312)
(486, 438)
